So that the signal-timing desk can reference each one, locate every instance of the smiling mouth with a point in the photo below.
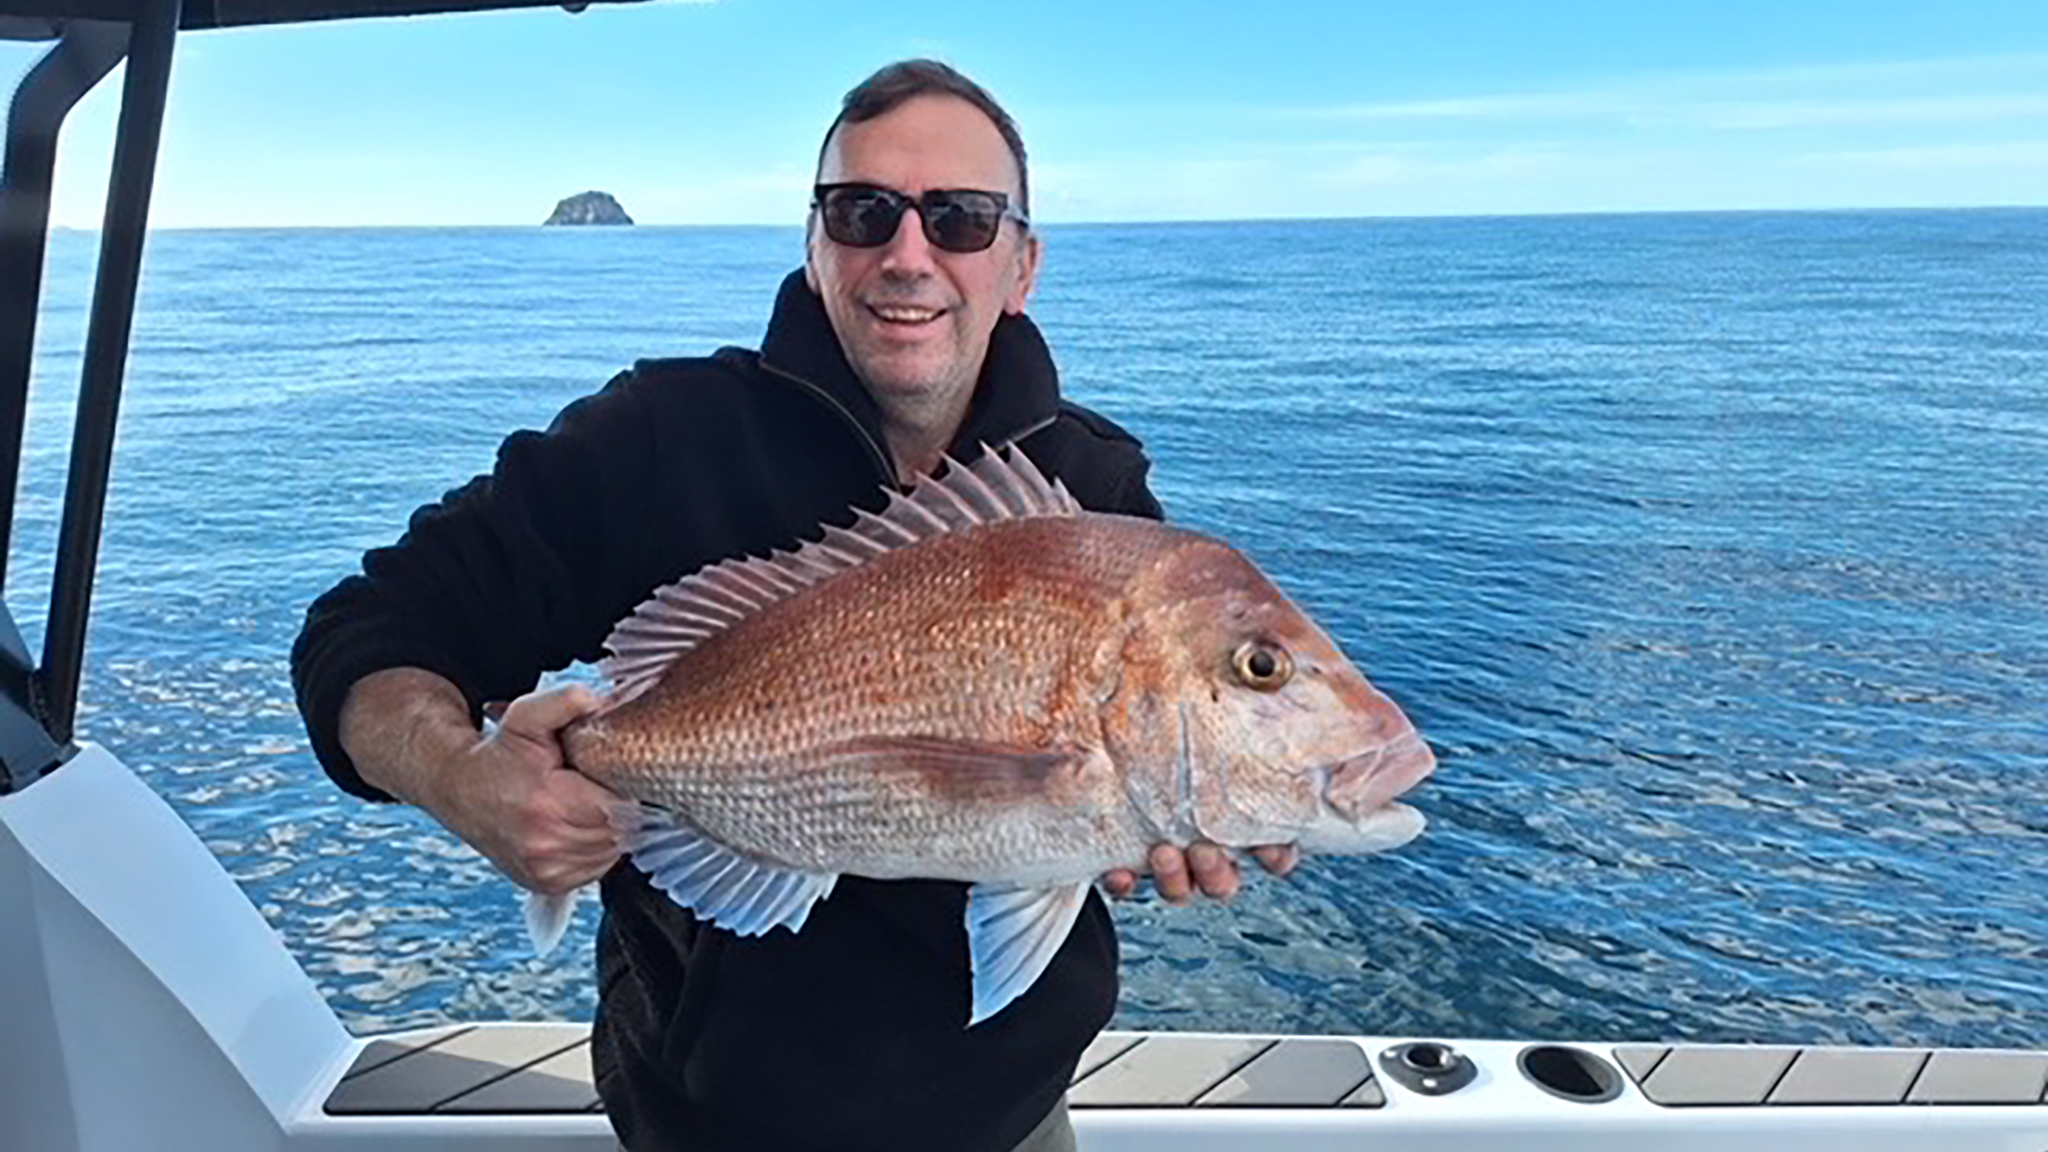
(904, 315)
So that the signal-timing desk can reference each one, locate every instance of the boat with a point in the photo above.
(145, 1003)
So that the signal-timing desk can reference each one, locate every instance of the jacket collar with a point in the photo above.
(1018, 392)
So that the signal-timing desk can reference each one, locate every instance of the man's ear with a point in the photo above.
(1028, 256)
(811, 251)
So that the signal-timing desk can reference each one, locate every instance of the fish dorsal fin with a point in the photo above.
(682, 615)
(990, 489)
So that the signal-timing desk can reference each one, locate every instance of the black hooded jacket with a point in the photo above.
(852, 1034)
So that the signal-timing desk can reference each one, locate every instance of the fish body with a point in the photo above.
(985, 684)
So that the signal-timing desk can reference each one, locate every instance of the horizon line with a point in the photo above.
(1101, 223)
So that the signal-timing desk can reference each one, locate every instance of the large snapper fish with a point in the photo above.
(982, 683)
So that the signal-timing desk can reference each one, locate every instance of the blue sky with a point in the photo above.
(709, 112)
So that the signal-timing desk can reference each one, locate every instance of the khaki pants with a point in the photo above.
(1055, 1133)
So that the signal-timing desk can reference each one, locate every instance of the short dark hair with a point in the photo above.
(896, 84)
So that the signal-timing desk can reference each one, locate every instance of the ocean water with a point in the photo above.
(1709, 551)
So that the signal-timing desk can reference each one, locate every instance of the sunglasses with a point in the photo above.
(954, 219)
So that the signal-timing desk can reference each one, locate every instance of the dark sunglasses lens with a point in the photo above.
(962, 221)
(862, 217)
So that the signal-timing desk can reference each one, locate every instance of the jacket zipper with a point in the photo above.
(877, 455)
(1031, 430)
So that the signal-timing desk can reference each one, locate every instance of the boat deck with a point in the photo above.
(527, 1069)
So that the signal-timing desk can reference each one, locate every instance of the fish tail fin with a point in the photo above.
(547, 919)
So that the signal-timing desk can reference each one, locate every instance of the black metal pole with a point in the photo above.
(143, 91)
(71, 68)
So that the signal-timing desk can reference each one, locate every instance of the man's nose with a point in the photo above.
(908, 252)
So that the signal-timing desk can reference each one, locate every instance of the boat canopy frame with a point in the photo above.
(39, 698)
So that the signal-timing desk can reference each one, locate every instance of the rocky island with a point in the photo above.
(589, 208)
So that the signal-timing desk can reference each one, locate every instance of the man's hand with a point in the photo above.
(1204, 866)
(511, 797)
(507, 794)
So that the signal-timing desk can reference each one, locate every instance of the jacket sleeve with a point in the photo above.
(516, 572)
(1104, 466)
(1134, 497)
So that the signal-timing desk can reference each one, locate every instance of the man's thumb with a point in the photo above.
(542, 714)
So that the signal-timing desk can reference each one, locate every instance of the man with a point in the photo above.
(902, 339)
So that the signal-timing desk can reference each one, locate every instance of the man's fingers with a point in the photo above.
(1279, 859)
(540, 715)
(562, 837)
(1170, 873)
(1215, 873)
(585, 802)
(593, 863)
(592, 817)
(566, 858)
(563, 876)
(1202, 867)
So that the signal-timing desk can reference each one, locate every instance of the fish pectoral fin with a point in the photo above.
(962, 769)
(743, 896)
(1012, 934)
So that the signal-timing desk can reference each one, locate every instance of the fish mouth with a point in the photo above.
(1371, 780)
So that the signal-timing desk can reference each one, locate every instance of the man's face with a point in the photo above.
(913, 319)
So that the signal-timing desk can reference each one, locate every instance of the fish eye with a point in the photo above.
(1262, 665)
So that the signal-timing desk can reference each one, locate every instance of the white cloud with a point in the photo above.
(1976, 89)
(780, 194)
(2023, 154)
(1877, 110)
(1439, 166)
(1375, 169)
(1513, 106)
(1318, 179)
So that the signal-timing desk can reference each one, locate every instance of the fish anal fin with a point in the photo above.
(1012, 935)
